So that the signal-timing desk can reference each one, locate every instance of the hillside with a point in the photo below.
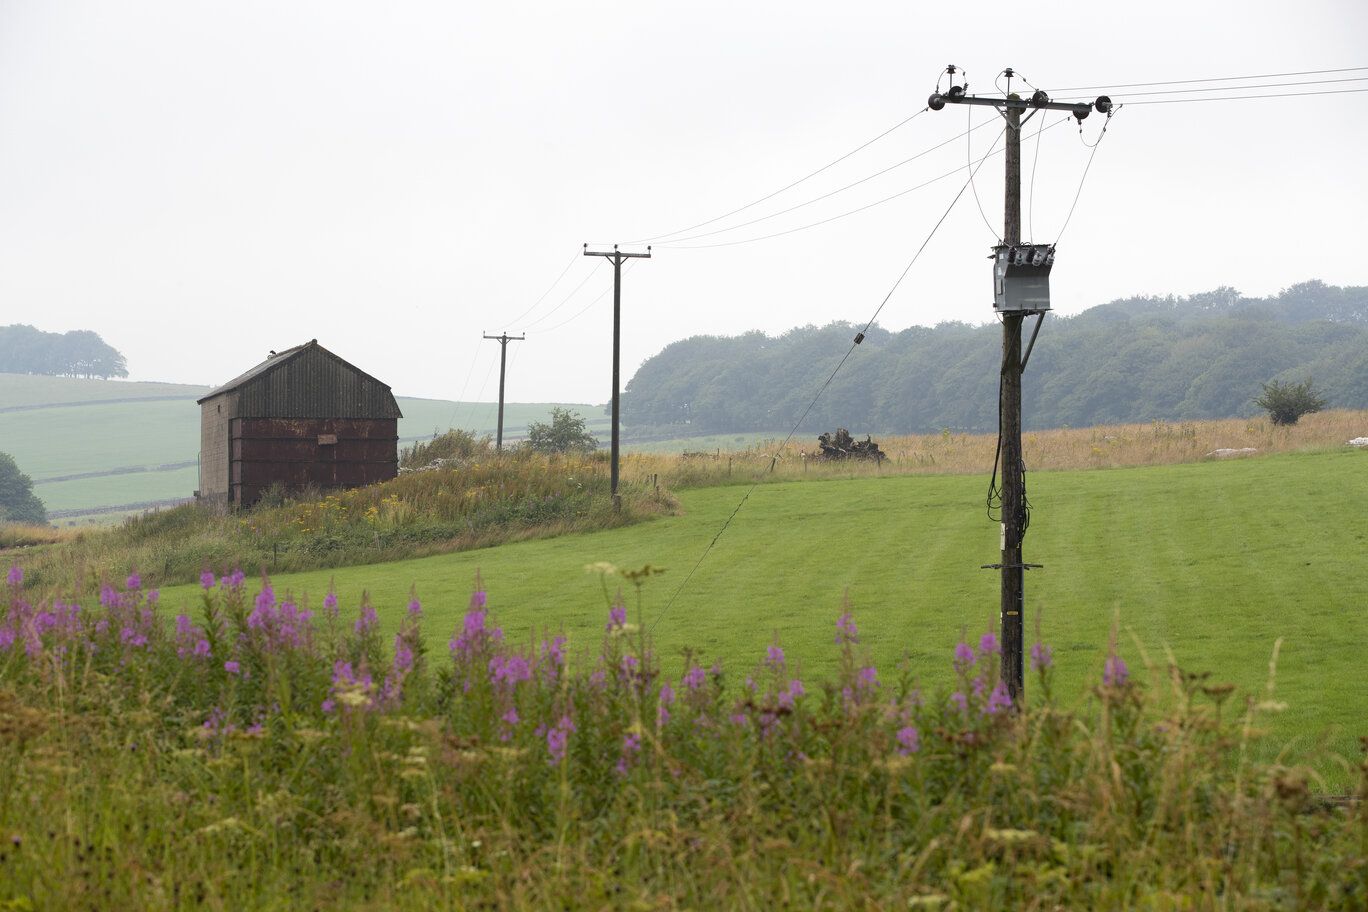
(1133, 360)
(103, 447)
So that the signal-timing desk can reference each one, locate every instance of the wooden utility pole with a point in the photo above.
(618, 258)
(1009, 421)
(503, 341)
(1014, 305)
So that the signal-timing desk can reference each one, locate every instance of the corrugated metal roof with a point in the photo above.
(308, 381)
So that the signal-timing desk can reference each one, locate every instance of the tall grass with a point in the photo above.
(266, 755)
(472, 505)
(1104, 446)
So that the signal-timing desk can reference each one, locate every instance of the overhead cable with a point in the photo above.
(1132, 85)
(800, 180)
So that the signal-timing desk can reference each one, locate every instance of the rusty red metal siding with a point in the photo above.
(298, 453)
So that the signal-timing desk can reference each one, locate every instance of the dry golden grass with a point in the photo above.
(1105, 446)
(20, 535)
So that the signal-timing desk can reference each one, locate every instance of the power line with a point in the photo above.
(1035, 160)
(573, 257)
(671, 246)
(566, 300)
(1243, 97)
(800, 180)
(859, 337)
(818, 199)
(584, 310)
(969, 160)
(1132, 85)
(1241, 88)
(1079, 192)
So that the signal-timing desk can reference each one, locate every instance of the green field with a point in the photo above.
(56, 427)
(1214, 561)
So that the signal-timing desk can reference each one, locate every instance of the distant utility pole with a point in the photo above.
(1021, 287)
(503, 341)
(617, 258)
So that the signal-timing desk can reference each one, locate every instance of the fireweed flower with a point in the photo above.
(964, 655)
(367, 621)
(695, 678)
(134, 581)
(232, 667)
(790, 694)
(663, 703)
(631, 746)
(774, 657)
(1114, 672)
(617, 617)
(988, 644)
(207, 579)
(509, 670)
(415, 608)
(998, 700)
(1042, 656)
(909, 740)
(558, 739)
(234, 580)
(868, 678)
(960, 700)
(330, 603)
(474, 635)
(15, 576)
(846, 631)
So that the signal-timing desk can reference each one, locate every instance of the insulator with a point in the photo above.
(859, 337)
(955, 92)
(1081, 111)
(1103, 104)
(936, 101)
(1039, 99)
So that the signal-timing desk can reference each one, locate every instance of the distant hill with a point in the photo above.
(79, 353)
(1138, 359)
(106, 447)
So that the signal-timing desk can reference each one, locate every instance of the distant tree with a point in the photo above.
(564, 433)
(78, 353)
(1286, 402)
(18, 503)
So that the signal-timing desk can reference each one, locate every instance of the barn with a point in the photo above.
(302, 418)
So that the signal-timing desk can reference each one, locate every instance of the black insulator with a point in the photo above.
(1103, 104)
(1081, 111)
(1039, 99)
(859, 337)
(936, 101)
(955, 92)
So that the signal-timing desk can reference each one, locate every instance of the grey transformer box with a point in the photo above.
(1021, 277)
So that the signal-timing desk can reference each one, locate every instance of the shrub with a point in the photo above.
(566, 432)
(1287, 402)
(18, 503)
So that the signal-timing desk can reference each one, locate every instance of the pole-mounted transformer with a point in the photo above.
(1021, 277)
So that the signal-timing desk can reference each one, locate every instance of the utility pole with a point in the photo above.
(503, 341)
(617, 258)
(1021, 288)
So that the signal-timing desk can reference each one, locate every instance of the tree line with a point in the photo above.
(1132, 360)
(79, 353)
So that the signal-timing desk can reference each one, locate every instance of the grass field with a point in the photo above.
(1213, 560)
(60, 426)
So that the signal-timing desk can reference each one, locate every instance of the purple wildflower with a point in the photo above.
(207, 579)
(617, 617)
(367, 620)
(631, 746)
(667, 696)
(695, 678)
(15, 575)
(201, 649)
(133, 582)
(868, 677)
(232, 667)
(1115, 673)
(964, 655)
(234, 580)
(846, 631)
(789, 695)
(960, 701)
(558, 738)
(415, 607)
(1042, 656)
(330, 603)
(510, 718)
(998, 700)
(509, 670)
(909, 740)
(774, 657)
(988, 644)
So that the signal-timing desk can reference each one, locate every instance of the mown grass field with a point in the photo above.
(1215, 561)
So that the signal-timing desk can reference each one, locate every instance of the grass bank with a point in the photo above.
(474, 505)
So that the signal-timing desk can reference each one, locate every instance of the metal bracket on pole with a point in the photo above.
(1040, 318)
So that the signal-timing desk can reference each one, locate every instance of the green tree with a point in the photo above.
(1286, 402)
(564, 433)
(18, 503)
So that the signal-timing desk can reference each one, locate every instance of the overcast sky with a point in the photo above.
(202, 182)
